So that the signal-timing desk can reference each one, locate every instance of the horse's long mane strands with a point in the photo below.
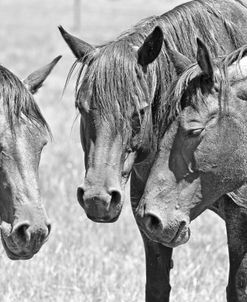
(18, 101)
(235, 56)
(171, 109)
(110, 79)
(191, 79)
(114, 79)
(228, 60)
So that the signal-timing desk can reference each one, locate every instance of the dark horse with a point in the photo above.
(202, 155)
(24, 132)
(119, 94)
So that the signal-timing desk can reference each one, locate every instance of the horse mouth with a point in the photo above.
(181, 237)
(12, 254)
(106, 219)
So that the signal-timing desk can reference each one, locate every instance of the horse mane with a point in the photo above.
(17, 101)
(234, 57)
(107, 74)
(191, 82)
(111, 72)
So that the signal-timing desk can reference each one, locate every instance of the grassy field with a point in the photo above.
(84, 261)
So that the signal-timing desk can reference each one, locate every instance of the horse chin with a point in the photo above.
(11, 253)
(180, 238)
(104, 219)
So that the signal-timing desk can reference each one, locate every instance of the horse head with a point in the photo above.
(202, 152)
(114, 93)
(23, 134)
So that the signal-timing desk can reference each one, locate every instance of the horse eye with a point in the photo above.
(125, 174)
(194, 132)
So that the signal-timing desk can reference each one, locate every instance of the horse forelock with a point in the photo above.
(233, 57)
(113, 82)
(226, 81)
(18, 102)
(189, 80)
(191, 83)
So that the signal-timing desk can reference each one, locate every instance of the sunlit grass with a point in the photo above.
(84, 261)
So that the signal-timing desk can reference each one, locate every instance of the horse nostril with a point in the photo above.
(80, 194)
(115, 197)
(48, 224)
(181, 226)
(20, 230)
(152, 223)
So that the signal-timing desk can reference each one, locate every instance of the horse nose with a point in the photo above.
(115, 196)
(48, 224)
(106, 197)
(153, 223)
(80, 194)
(23, 232)
(100, 204)
(165, 231)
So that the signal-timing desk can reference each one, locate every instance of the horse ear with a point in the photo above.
(151, 48)
(204, 59)
(35, 80)
(77, 46)
(180, 62)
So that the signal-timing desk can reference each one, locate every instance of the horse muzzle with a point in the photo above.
(23, 240)
(100, 205)
(169, 232)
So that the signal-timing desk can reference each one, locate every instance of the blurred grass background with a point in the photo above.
(84, 261)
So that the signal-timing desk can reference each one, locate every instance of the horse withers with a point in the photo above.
(202, 153)
(23, 134)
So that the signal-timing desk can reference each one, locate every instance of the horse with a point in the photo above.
(24, 224)
(119, 92)
(202, 155)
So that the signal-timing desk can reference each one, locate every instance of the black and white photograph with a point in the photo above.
(123, 151)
